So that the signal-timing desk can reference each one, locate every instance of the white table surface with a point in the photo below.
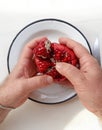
(14, 15)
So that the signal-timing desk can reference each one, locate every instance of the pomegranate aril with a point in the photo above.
(42, 65)
(46, 55)
(74, 62)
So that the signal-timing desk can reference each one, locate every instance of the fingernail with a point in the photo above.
(49, 79)
(58, 65)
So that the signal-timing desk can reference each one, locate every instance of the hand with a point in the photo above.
(88, 80)
(22, 80)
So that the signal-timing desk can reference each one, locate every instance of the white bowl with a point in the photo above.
(53, 29)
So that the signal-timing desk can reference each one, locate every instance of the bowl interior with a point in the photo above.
(53, 29)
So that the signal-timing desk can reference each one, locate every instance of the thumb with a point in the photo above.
(38, 82)
(74, 75)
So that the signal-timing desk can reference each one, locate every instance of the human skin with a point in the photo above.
(87, 81)
(16, 89)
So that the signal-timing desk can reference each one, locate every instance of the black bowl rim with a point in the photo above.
(42, 20)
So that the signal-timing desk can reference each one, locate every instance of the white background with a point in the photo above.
(14, 15)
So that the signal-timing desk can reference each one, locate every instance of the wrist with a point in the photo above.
(3, 114)
(6, 107)
(6, 102)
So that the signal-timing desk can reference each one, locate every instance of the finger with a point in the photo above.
(87, 61)
(89, 65)
(38, 82)
(78, 49)
(71, 73)
(34, 42)
(28, 49)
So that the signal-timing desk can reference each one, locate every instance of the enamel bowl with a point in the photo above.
(53, 29)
